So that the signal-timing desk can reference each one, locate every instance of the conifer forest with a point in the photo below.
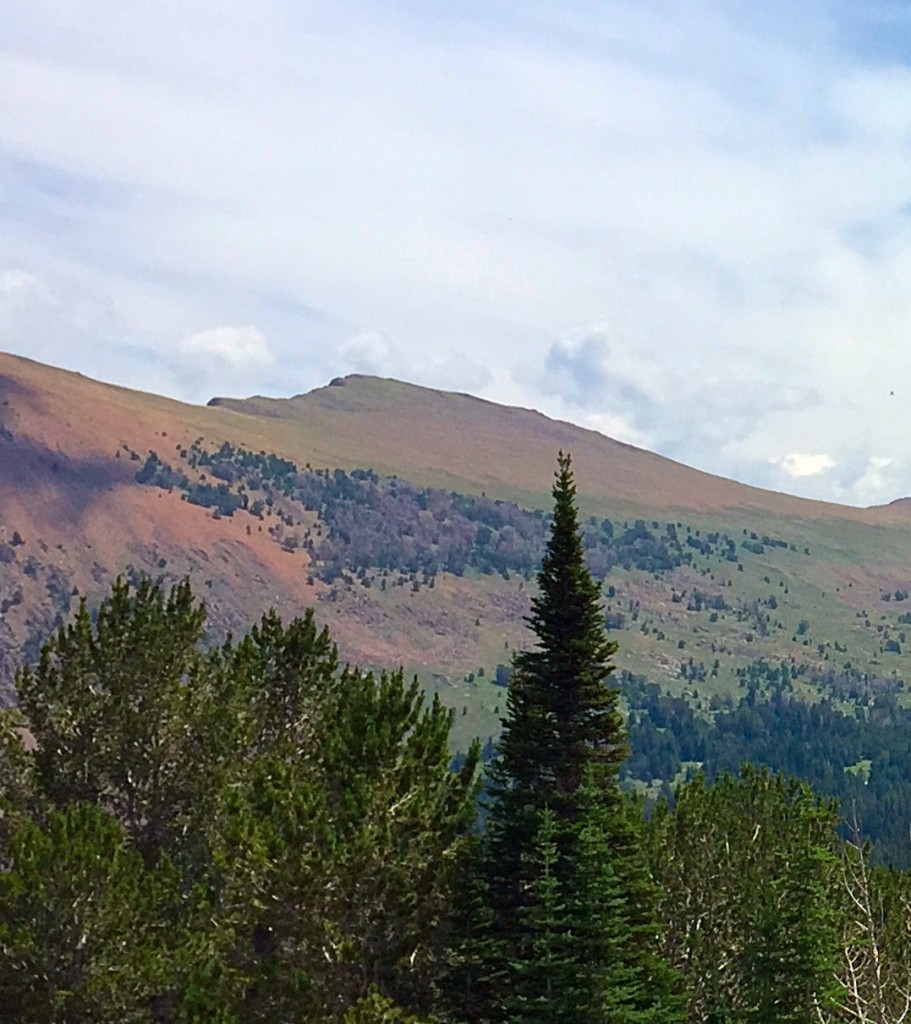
(251, 831)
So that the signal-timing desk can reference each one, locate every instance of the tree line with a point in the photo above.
(254, 833)
(862, 758)
(372, 525)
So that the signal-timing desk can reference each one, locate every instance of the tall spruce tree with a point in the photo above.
(561, 716)
(572, 916)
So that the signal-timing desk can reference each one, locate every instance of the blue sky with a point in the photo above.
(685, 225)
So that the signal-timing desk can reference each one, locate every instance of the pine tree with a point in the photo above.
(560, 714)
(748, 869)
(543, 966)
(571, 900)
(86, 930)
(106, 705)
(245, 833)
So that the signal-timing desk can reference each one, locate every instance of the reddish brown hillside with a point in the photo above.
(72, 514)
(72, 517)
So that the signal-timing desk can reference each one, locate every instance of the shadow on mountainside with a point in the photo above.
(74, 484)
(10, 387)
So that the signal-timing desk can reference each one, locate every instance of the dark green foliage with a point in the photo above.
(238, 834)
(159, 474)
(815, 742)
(571, 927)
(542, 979)
(585, 948)
(561, 715)
(748, 871)
(373, 524)
(84, 932)
(118, 707)
(217, 496)
(476, 960)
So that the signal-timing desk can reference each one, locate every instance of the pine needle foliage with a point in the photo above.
(239, 834)
(561, 716)
(571, 905)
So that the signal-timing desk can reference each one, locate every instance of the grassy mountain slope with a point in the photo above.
(70, 450)
(453, 440)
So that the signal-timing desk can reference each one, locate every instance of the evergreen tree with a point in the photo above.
(237, 834)
(86, 929)
(749, 876)
(475, 953)
(572, 919)
(107, 705)
(545, 965)
(561, 716)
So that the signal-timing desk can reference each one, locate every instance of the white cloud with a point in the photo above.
(367, 352)
(875, 481)
(799, 465)
(718, 194)
(15, 281)
(454, 371)
(616, 426)
(877, 102)
(237, 346)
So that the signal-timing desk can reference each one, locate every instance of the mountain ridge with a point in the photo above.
(96, 479)
(365, 394)
(413, 522)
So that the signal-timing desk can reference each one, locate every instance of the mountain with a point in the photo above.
(444, 439)
(412, 519)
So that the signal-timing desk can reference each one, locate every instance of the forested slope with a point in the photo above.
(751, 625)
(251, 832)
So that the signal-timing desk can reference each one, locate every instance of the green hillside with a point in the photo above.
(718, 619)
(750, 625)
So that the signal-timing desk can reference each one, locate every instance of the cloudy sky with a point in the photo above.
(685, 224)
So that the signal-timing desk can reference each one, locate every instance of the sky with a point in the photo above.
(686, 225)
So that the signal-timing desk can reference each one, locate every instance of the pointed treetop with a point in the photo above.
(561, 712)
